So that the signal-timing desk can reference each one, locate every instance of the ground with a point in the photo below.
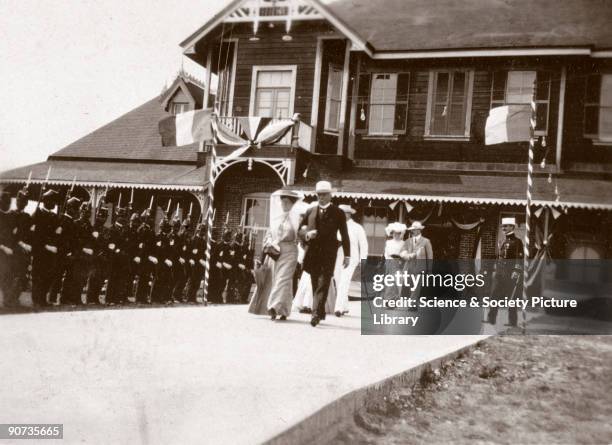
(510, 389)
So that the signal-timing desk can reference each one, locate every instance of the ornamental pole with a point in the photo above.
(532, 130)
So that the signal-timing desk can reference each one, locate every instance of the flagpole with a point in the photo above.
(532, 129)
(209, 220)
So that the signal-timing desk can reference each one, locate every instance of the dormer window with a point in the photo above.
(178, 107)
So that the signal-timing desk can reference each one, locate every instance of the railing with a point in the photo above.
(300, 135)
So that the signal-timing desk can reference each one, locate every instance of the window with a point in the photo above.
(516, 88)
(334, 98)
(179, 107)
(598, 108)
(382, 103)
(449, 104)
(374, 222)
(273, 91)
(256, 216)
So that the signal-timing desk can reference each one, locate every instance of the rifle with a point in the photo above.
(42, 190)
(67, 197)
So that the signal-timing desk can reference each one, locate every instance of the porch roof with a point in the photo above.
(466, 188)
(139, 175)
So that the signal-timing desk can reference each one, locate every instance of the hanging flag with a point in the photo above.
(509, 123)
(252, 131)
(186, 128)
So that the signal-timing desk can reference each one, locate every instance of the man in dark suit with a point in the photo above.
(319, 230)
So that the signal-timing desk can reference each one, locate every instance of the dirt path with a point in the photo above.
(519, 390)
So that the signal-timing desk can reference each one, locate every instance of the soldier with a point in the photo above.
(162, 257)
(146, 247)
(244, 272)
(100, 264)
(180, 239)
(83, 256)
(44, 248)
(69, 248)
(7, 248)
(131, 243)
(227, 259)
(118, 276)
(197, 262)
(22, 222)
(508, 269)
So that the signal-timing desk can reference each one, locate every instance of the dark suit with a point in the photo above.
(320, 257)
(510, 260)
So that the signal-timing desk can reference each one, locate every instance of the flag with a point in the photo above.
(186, 128)
(509, 123)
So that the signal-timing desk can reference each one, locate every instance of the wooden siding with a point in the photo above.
(414, 146)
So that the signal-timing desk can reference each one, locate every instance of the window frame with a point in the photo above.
(328, 99)
(595, 138)
(185, 107)
(367, 103)
(263, 68)
(501, 102)
(433, 75)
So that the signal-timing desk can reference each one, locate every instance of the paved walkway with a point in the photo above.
(190, 374)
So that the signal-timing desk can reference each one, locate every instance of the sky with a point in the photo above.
(69, 67)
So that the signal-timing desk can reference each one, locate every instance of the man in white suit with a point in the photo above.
(359, 251)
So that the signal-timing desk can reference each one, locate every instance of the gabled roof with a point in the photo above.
(133, 136)
(384, 26)
(191, 87)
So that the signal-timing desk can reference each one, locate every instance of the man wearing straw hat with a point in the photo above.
(319, 229)
(359, 251)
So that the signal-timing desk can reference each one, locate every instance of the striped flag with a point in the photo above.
(186, 128)
(509, 123)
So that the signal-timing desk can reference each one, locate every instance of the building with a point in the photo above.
(393, 97)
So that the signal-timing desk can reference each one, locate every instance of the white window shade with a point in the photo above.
(520, 87)
(605, 108)
(382, 103)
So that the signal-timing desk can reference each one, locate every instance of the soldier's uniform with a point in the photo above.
(100, 264)
(180, 238)
(118, 276)
(244, 272)
(163, 254)
(64, 281)
(7, 248)
(131, 243)
(22, 241)
(45, 260)
(197, 262)
(508, 270)
(228, 260)
(84, 255)
(146, 247)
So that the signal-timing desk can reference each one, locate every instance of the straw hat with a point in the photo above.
(416, 226)
(396, 227)
(347, 209)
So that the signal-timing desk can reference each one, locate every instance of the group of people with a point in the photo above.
(71, 261)
(321, 243)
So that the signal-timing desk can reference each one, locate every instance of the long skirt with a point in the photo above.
(264, 276)
(281, 295)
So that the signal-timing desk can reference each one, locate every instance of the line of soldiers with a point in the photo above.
(68, 255)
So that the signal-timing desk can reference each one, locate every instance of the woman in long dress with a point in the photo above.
(282, 241)
(264, 274)
(393, 260)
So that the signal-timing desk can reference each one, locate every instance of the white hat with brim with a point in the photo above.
(323, 187)
(416, 226)
(347, 209)
(508, 221)
(288, 194)
(395, 227)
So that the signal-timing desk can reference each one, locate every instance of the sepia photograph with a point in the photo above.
(306, 222)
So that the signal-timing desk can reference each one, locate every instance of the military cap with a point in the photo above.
(135, 216)
(73, 203)
(50, 194)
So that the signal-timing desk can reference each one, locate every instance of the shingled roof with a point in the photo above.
(417, 25)
(134, 136)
